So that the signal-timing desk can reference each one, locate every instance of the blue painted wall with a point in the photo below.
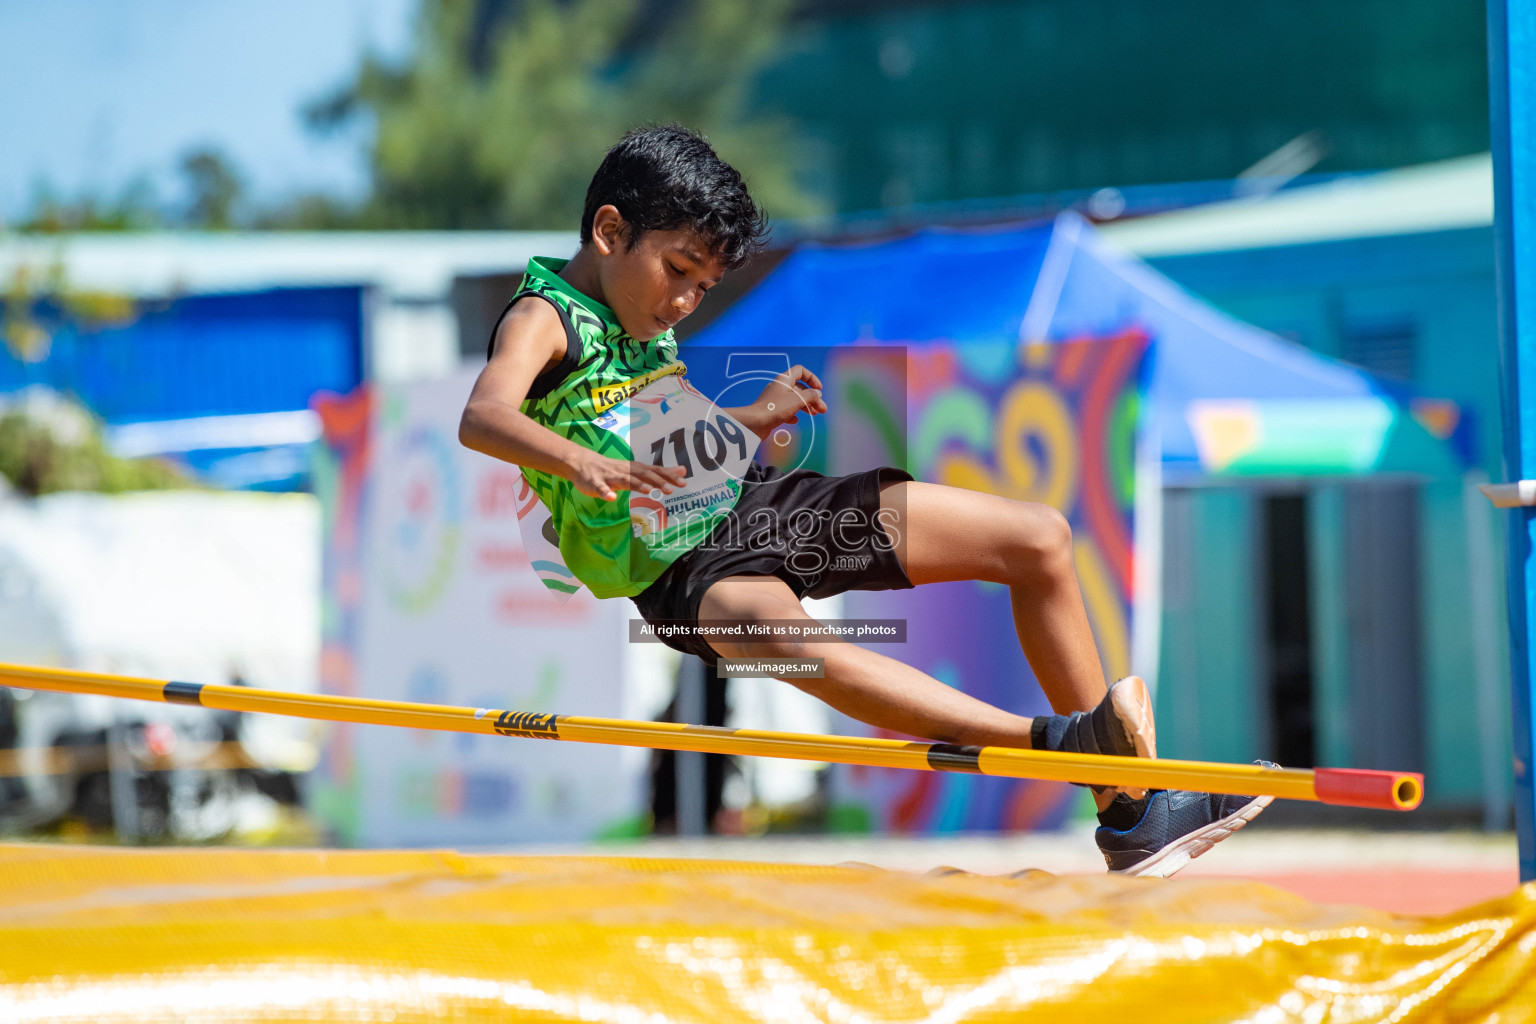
(205, 355)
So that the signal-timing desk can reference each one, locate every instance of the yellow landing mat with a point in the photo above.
(108, 935)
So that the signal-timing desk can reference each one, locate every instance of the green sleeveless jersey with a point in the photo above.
(626, 399)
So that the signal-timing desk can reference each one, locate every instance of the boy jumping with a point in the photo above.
(582, 375)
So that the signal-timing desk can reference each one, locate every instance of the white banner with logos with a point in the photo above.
(453, 613)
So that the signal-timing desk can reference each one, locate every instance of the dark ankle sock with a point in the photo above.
(1047, 732)
(1123, 813)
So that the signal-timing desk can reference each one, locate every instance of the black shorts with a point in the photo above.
(796, 526)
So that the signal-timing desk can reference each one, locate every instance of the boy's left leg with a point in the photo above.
(943, 534)
(860, 682)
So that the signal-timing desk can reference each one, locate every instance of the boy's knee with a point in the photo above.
(750, 626)
(1041, 541)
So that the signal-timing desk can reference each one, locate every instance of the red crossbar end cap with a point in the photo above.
(1360, 787)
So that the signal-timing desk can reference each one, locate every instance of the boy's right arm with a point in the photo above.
(530, 338)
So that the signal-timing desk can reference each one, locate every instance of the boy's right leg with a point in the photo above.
(941, 534)
(889, 694)
(861, 683)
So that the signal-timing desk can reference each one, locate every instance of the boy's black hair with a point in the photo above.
(663, 177)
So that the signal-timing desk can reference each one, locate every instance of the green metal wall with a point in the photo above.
(1207, 684)
(1443, 285)
(916, 103)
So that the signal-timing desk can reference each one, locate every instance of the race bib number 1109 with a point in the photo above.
(669, 423)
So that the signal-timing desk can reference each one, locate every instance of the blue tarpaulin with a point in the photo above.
(205, 355)
(220, 382)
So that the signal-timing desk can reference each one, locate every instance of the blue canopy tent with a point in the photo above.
(1226, 399)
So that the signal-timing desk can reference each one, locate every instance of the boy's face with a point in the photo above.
(658, 282)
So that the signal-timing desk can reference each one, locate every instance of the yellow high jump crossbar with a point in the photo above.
(1399, 791)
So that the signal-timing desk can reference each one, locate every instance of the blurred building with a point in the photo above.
(218, 341)
(928, 101)
(902, 102)
(211, 350)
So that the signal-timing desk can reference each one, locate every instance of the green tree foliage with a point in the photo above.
(214, 193)
(214, 188)
(39, 458)
(510, 140)
(132, 209)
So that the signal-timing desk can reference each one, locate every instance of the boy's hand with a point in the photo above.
(601, 477)
(783, 400)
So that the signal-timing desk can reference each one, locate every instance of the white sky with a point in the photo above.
(94, 92)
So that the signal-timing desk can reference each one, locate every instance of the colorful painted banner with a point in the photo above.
(430, 597)
(1052, 423)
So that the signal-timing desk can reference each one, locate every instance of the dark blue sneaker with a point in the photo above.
(1176, 827)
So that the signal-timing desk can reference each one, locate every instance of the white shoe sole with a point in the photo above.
(1171, 858)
